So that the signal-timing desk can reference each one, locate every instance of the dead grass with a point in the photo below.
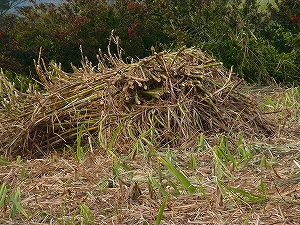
(53, 189)
(237, 148)
(179, 94)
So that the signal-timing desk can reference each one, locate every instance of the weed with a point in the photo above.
(4, 162)
(23, 173)
(245, 196)
(152, 182)
(13, 199)
(16, 206)
(223, 156)
(3, 196)
(18, 160)
(144, 145)
(245, 154)
(103, 141)
(201, 145)
(161, 211)
(79, 152)
(86, 215)
(178, 175)
(193, 162)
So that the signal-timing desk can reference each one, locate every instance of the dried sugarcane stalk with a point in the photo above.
(185, 92)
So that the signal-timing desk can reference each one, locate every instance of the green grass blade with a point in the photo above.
(221, 168)
(193, 161)
(178, 175)
(114, 137)
(200, 186)
(87, 215)
(245, 195)
(3, 192)
(174, 186)
(220, 185)
(4, 161)
(161, 211)
(245, 154)
(225, 153)
(101, 139)
(16, 207)
(261, 187)
(18, 160)
(160, 188)
(79, 136)
(247, 218)
(201, 143)
(263, 163)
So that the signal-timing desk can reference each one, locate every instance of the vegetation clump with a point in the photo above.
(178, 94)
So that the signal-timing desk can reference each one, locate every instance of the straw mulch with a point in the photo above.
(178, 94)
(53, 190)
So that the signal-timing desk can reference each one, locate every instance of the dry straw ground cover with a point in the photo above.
(174, 138)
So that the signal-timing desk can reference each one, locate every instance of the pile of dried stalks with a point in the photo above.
(178, 95)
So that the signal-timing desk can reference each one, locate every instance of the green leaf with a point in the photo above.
(261, 187)
(174, 186)
(200, 186)
(160, 188)
(19, 159)
(245, 195)
(87, 215)
(101, 139)
(4, 161)
(161, 211)
(3, 192)
(263, 163)
(247, 218)
(178, 175)
(225, 153)
(113, 138)
(220, 166)
(16, 207)
(201, 143)
(193, 162)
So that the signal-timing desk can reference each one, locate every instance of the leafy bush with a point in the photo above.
(264, 62)
(9, 55)
(259, 44)
(139, 26)
(286, 13)
(60, 30)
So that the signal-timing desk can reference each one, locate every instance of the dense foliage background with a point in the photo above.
(260, 41)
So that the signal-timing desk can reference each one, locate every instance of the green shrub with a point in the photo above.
(260, 45)
(140, 26)
(9, 55)
(263, 61)
(61, 29)
(286, 13)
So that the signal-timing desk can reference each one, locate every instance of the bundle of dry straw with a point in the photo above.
(178, 95)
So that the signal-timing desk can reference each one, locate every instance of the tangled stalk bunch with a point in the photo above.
(176, 94)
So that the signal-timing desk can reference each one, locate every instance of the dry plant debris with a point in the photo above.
(135, 130)
(54, 189)
(179, 94)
